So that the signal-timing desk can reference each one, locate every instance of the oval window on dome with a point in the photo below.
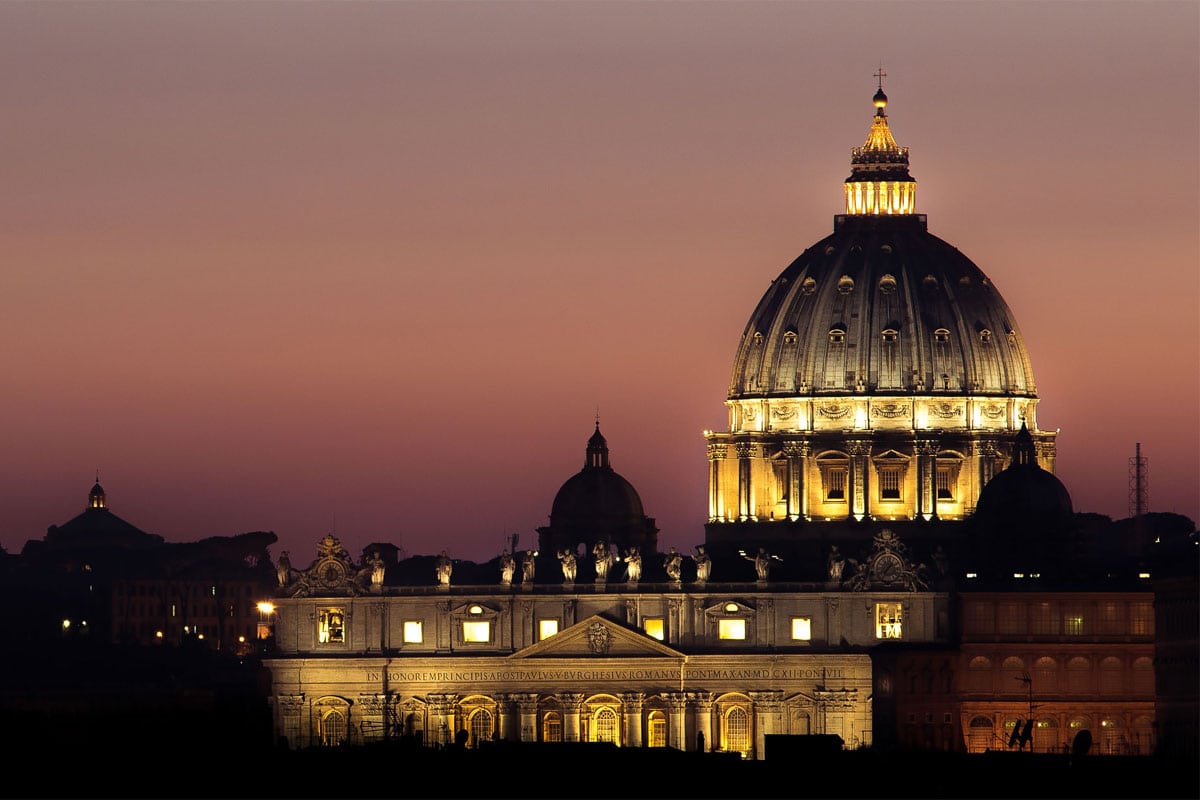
(846, 284)
(941, 335)
(887, 284)
(808, 286)
(837, 335)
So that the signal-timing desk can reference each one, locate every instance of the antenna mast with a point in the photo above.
(1139, 492)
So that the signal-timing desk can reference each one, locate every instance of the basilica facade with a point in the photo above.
(881, 395)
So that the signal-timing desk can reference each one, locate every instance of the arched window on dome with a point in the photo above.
(845, 285)
(941, 336)
(837, 335)
(887, 284)
(808, 286)
(985, 336)
(789, 337)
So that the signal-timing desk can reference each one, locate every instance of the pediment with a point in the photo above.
(597, 637)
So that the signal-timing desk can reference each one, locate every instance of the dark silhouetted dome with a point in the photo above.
(597, 504)
(1024, 491)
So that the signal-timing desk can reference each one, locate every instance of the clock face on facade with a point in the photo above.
(332, 573)
(888, 568)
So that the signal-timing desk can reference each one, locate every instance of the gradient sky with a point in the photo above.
(371, 268)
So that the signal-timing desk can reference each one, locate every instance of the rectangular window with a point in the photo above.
(331, 626)
(945, 484)
(412, 632)
(889, 484)
(801, 629)
(477, 631)
(653, 626)
(1110, 618)
(980, 618)
(731, 629)
(1045, 619)
(835, 483)
(1141, 619)
(1011, 618)
(1073, 621)
(887, 621)
(547, 628)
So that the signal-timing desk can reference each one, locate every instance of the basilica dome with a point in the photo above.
(881, 376)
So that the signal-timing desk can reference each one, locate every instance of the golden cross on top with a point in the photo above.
(880, 74)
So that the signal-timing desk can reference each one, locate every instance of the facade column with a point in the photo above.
(677, 719)
(633, 703)
(768, 719)
(795, 452)
(440, 730)
(506, 706)
(926, 478)
(716, 498)
(833, 622)
(858, 493)
(745, 451)
(702, 703)
(527, 706)
(570, 704)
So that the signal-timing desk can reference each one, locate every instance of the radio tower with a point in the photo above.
(1139, 493)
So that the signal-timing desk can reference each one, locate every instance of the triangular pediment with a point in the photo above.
(598, 637)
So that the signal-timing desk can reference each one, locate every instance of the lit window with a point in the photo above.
(552, 727)
(331, 626)
(731, 629)
(735, 733)
(412, 632)
(889, 336)
(941, 335)
(789, 337)
(985, 336)
(654, 627)
(889, 483)
(837, 336)
(835, 483)
(477, 631)
(658, 729)
(547, 628)
(801, 629)
(887, 621)
(945, 484)
(1073, 622)
(1141, 619)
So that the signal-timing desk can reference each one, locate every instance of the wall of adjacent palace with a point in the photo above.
(733, 701)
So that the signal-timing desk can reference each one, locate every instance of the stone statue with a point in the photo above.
(527, 566)
(762, 563)
(673, 562)
(633, 565)
(444, 567)
(703, 564)
(567, 557)
(836, 563)
(283, 570)
(508, 565)
(377, 570)
(604, 559)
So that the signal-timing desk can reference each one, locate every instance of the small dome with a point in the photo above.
(880, 99)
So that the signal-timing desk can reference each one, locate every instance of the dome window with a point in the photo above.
(808, 286)
(789, 337)
(829, 250)
(758, 338)
(930, 282)
(845, 285)
(985, 336)
(887, 248)
(887, 284)
(890, 335)
(941, 335)
(837, 335)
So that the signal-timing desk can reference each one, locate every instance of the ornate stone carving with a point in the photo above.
(745, 449)
(783, 412)
(834, 410)
(599, 639)
(891, 410)
(992, 411)
(945, 410)
(290, 705)
(716, 452)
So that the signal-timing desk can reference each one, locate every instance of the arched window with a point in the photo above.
(979, 735)
(1045, 676)
(552, 727)
(735, 733)
(1113, 741)
(604, 726)
(1110, 676)
(657, 729)
(333, 728)
(979, 675)
(1012, 675)
(1045, 736)
(1079, 677)
(1143, 676)
(481, 726)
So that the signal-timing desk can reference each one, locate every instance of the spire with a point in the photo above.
(597, 449)
(1024, 452)
(879, 182)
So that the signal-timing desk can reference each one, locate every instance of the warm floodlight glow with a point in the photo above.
(654, 628)
(158, 634)
(266, 608)
(731, 629)
(972, 575)
(801, 629)
(1143, 575)
(66, 623)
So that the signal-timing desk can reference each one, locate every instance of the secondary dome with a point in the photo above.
(597, 505)
(882, 376)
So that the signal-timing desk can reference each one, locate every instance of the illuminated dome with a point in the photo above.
(881, 375)
(597, 504)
